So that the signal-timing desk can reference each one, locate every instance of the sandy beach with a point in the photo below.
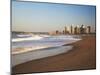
(81, 57)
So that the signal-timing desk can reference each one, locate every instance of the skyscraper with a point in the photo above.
(75, 30)
(82, 29)
(88, 29)
(71, 29)
(65, 30)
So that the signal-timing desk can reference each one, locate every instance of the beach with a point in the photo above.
(81, 57)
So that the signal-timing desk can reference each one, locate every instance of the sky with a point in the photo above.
(46, 17)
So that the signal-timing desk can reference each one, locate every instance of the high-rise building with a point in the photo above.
(82, 29)
(88, 29)
(65, 30)
(71, 29)
(75, 30)
(78, 29)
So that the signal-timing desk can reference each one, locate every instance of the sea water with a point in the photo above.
(26, 47)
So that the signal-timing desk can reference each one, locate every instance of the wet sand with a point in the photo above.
(81, 57)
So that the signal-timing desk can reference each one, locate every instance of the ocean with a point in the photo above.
(30, 46)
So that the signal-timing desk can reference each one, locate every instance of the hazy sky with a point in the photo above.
(44, 17)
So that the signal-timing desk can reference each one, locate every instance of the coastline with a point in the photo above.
(82, 56)
(38, 54)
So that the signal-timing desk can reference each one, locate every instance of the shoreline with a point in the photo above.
(82, 56)
(18, 59)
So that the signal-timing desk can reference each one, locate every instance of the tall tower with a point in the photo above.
(78, 29)
(65, 30)
(88, 29)
(71, 29)
(75, 30)
(82, 29)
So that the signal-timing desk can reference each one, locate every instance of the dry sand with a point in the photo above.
(81, 57)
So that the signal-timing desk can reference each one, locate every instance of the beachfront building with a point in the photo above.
(57, 32)
(82, 29)
(68, 30)
(71, 29)
(65, 32)
(88, 29)
(75, 30)
(78, 29)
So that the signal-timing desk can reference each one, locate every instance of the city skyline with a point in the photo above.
(73, 30)
(46, 17)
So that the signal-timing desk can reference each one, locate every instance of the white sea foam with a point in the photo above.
(39, 37)
(27, 49)
(24, 35)
(26, 39)
(21, 45)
